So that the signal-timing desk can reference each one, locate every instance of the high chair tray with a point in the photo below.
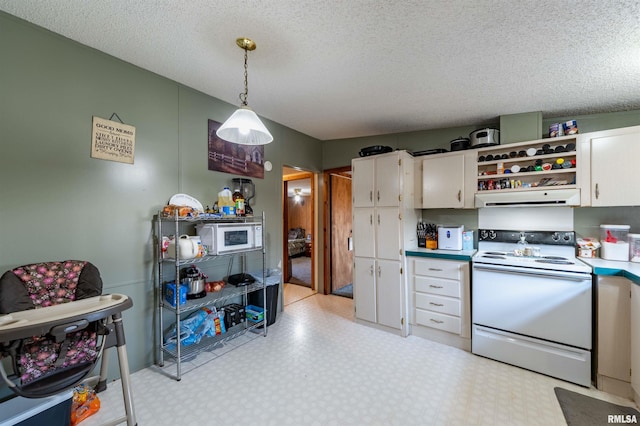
(35, 322)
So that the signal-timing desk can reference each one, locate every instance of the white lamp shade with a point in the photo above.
(245, 128)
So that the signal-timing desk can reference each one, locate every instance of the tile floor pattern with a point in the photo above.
(319, 367)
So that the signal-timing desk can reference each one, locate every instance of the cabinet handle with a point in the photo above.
(459, 195)
(597, 191)
(378, 219)
(379, 271)
(371, 270)
(435, 269)
(371, 219)
(371, 196)
(435, 286)
(436, 321)
(436, 304)
(378, 195)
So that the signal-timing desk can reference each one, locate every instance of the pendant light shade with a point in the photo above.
(244, 127)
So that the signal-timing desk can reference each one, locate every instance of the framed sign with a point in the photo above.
(229, 157)
(111, 140)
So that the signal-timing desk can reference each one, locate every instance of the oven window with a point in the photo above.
(236, 238)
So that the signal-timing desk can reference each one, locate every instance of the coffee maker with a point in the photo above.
(247, 188)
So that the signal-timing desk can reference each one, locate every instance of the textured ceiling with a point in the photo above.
(337, 69)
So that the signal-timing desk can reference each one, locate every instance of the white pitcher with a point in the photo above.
(187, 247)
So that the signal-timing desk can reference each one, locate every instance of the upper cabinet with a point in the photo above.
(377, 181)
(614, 161)
(447, 180)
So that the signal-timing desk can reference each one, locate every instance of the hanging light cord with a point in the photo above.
(243, 96)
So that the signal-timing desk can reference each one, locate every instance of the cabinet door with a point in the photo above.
(443, 182)
(364, 289)
(388, 232)
(387, 181)
(614, 322)
(362, 182)
(613, 169)
(635, 338)
(389, 286)
(364, 232)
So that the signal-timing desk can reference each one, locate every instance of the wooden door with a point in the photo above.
(341, 256)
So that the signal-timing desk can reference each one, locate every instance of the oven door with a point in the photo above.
(551, 305)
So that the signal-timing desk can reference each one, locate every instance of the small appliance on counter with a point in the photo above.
(450, 237)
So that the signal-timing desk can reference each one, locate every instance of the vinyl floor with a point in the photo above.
(317, 366)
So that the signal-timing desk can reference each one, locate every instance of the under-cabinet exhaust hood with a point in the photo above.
(531, 198)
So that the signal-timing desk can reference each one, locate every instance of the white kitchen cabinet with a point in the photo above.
(377, 233)
(613, 335)
(378, 291)
(635, 341)
(377, 180)
(447, 180)
(443, 182)
(384, 222)
(364, 288)
(440, 300)
(614, 160)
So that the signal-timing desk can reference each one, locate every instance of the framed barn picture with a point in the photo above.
(233, 158)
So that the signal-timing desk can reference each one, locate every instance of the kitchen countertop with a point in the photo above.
(441, 254)
(629, 270)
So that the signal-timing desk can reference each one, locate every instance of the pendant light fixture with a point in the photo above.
(244, 127)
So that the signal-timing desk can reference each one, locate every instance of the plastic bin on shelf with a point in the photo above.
(272, 282)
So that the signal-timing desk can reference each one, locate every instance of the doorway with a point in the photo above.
(338, 227)
(299, 233)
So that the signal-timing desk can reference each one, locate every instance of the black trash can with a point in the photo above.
(256, 298)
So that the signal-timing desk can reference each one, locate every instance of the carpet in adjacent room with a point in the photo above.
(301, 271)
(346, 291)
(582, 410)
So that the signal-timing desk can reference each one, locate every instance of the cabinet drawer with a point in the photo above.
(440, 321)
(444, 305)
(437, 286)
(438, 268)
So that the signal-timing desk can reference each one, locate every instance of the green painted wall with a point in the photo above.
(58, 203)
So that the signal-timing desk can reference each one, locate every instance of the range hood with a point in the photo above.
(531, 198)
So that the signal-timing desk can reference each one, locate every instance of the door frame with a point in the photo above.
(303, 174)
(342, 171)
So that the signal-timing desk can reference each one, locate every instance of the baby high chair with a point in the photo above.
(55, 324)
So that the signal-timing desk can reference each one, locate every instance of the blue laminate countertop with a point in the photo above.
(630, 270)
(441, 254)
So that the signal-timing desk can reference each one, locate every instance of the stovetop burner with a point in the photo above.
(529, 249)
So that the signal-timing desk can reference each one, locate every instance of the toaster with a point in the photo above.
(450, 237)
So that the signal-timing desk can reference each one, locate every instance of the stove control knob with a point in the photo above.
(567, 237)
(555, 236)
(492, 235)
(483, 234)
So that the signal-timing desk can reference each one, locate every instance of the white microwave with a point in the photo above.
(221, 238)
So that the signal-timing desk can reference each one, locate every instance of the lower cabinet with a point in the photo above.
(378, 292)
(440, 300)
(614, 335)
